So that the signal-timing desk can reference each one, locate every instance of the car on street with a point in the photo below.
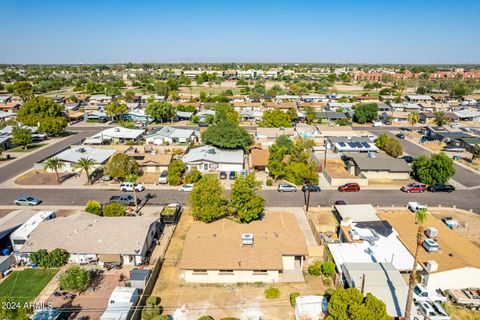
(232, 175)
(27, 201)
(223, 175)
(163, 179)
(400, 136)
(186, 187)
(349, 187)
(440, 187)
(408, 159)
(125, 199)
(128, 186)
(377, 123)
(414, 187)
(285, 187)
(405, 129)
(312, 187)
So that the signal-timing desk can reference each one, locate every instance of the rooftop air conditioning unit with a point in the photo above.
(247, 239)
(117, 130)
(432, 266)
(431, 232)
(354, 235)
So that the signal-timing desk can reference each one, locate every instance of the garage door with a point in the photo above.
(231, 167)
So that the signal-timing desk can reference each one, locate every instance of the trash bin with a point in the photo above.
(34, 265)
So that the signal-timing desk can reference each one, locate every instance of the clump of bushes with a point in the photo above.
(152, 309)
(193, 176)
(328, 268)
(54, 259)
(293, 297)
(272, 293)
(94, 207)
(75, 278)
(206, 318)
(315, 269)
(113, 210)
(269, 182)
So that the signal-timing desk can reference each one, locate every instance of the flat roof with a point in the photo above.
(15, 219)
(455, 250)
(357, 212)
(218, 245)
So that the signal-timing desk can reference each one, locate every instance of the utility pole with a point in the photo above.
(325, 155)
(309, 183)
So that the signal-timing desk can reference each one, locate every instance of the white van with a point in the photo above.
(163, 177)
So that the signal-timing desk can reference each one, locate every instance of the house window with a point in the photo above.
(259, 272)
(225, 272)
(205, 166)
(199, 272)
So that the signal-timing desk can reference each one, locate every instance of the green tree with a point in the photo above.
(12, 313)
(94, 207)
(54, 164)
(437, 168)
(23, 89)
(36, 109)
(275, 118)
(207, 200)
(310, 115)
(85, 164)
(54, 259)
(225, 112)
(193, 176)
(75, 278)
(113, 210)
(350, 304)
(440, 118)
(328, 268)
(393, 148)
(161, 111)
(115, 109)
(413, 118)
(381, 141)
(245, 200)
(365, 112)
(420, 218)
(227, 135)
(276, 165)
(21, 136)
(284, 141)
(175, 172)
(129, 95)
(121, 165)
(152, 308)
(52, 125)
(475, 153)
(132, 178)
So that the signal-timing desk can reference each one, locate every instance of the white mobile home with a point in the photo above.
(20, 236)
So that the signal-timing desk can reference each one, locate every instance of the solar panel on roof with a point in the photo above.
(365, 144)
(342, 144)
(358, 144)
(351, 144)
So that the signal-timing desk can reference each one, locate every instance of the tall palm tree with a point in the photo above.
(132, 178)
(420, 218)
(54, 164)
(85, 164)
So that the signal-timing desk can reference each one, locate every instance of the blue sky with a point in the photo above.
(339, 31)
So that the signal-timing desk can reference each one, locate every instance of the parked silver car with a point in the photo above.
(27, 201)
(287, 188)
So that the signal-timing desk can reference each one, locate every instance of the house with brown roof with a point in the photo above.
(148, 162)
(259, 158)
(270, 250)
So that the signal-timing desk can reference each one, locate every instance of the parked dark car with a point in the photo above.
(102, 119)
(349, 187)
(405, 129)
(400, 136)
(312, 187)
(223, 175)
(232, 175)
(440, 187)
(125, 199)
(408, 159)
(340, 203)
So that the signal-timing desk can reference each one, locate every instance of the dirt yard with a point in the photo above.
(470, 221)
(336, 169)
(388, 182)
(236, 300)
(35, 178)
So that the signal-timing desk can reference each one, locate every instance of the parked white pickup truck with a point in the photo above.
(469, 297)
(421, 294)
(415, 206)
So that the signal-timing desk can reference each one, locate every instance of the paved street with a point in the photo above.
(18, 166)
(465, 199)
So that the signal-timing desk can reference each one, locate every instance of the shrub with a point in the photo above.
(269, 182)
(75, 278)
(272, 293)
(206, 318)
(328, 293)
(193, 176)
(54, 259)
(152, 309)
(293, 297)
(113, 210)
(315, 269)
(328, 268)
(94, 207)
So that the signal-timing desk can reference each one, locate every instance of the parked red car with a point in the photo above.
(414, 187)
(349, 187)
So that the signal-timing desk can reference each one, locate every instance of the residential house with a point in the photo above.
(251, 115)
(100, 98)
(267, 136)
(351, 144)
(224, 251)
(330, 115)
(153, 162)
(137, 115)
(144, 98)
(170, 135)
(115, 135)
(418, 98)
(70, 157)
(429, 117)
(283, 106)
(90, 238)
(4, 115)
(204, 114)
(470, 144)
(183, 115)
(258, 158)
(468, 115)
(446, 134)
(209, 158)
(377, 166)
(382, 280)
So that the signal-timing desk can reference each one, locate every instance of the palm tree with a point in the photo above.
(413, 118)
(132, 178)
(420, 218)
(54, 164)
(85, 164)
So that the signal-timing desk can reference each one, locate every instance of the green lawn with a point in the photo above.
(23, 286)
(30, 147)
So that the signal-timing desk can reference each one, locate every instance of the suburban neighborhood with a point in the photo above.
(251, 191)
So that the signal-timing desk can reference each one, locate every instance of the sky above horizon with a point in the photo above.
(368, 31)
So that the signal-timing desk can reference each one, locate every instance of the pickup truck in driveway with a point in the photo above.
(125, 199)
(421, 294)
